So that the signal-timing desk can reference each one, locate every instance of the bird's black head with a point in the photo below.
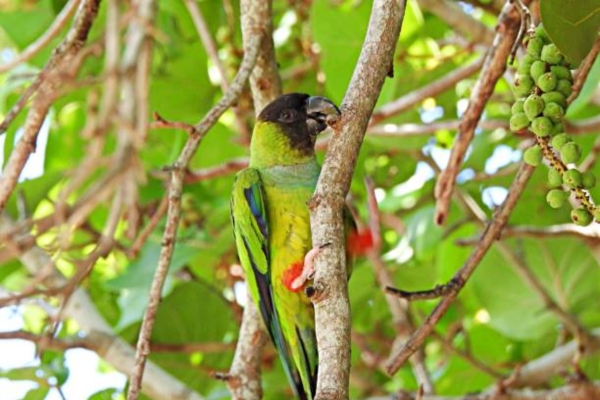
(300, 118)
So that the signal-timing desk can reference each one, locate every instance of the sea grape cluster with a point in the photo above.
(543, 84)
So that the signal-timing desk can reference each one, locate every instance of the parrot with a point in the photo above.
(271, 224)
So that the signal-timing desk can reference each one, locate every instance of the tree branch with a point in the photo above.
(332, 313)
(60, 66)
(173, 214)
(492, 232)
(416, 96)
(244, 374)
(493, 68)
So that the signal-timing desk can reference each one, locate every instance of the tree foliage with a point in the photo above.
(86, 219)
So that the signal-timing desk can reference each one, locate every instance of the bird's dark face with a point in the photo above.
(300, 117)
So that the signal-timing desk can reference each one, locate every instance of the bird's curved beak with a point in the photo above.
(320, 110)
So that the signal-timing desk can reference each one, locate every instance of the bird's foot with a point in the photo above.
(308, 270)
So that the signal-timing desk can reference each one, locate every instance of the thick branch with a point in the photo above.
(332, 313)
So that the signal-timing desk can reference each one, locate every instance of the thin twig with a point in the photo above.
(416, 96)
(173, 214)
(399, 309)
(55, 72)
(57, 25)
(139, 242)
(435, 293)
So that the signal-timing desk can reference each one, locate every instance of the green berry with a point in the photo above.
(541, 126)
(559, 140)
(541, 33)
(565, 87)
(534, 105)
(538, 68)
(556, 198)
(597, 214)
(547, 82)
(555, 97)
(554, 112)
(528, 60)
(533, 155)
(554, 178)
(559, 127)
(581, 216)
(562, 72)
(517, 107)
(523, 85)
(518, 122)
(572, 178)
(570, 152)
(534, 46)
(588, 180)
(551, 54)
(524, 68)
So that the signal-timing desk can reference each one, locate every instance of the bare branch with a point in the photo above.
(493, 68)
(173, 214)
(492, 232)
(407, 130)
(416, 96)
(584, 70)
(243, 379)
(332, 312)
(264, 81)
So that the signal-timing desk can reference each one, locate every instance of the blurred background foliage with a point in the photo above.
(497, 317)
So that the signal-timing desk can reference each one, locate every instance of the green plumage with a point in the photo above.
(272, 227)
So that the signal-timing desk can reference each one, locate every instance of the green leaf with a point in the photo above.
(39, 393)
(134, 284)
(193, 313)
(572, 25)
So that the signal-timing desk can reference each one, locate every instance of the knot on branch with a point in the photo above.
(318, 292)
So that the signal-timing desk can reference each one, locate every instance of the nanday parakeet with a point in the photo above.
(271, 222)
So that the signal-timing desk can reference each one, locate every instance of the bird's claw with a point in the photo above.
(308, 270)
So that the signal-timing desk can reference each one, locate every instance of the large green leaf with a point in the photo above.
(194, 313)
(572, 25)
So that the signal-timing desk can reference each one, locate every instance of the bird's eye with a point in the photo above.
(287, 116)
